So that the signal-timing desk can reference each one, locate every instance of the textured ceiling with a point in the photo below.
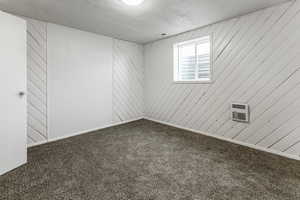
(140, 24)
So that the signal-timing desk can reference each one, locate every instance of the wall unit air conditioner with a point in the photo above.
(240, 112)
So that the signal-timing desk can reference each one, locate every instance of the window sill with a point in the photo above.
(193, 82)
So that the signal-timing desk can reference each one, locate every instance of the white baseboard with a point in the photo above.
(294, 157)
(36, 143)
(83, 132)
(19, 164)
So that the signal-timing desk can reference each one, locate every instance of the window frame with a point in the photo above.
(176, 61)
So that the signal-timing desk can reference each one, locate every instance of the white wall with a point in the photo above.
(256, 61)
(79, 81)
(122, 60)
(94, 81)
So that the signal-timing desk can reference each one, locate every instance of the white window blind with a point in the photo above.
(192, 60)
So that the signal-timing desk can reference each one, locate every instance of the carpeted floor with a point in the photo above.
(144, 160)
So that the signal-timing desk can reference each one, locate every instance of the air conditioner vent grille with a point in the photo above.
(240, 112)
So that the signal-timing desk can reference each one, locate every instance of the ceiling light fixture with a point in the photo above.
(133, 2)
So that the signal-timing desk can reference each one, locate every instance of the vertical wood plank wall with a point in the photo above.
(256, 61)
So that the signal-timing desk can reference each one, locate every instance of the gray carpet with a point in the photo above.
(144, 160)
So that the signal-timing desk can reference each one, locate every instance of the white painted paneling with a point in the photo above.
(79, 81)
(37, 81)
(256, 61)
(125, 87)
(128, 78)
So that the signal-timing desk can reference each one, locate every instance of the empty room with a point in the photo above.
(150, 100)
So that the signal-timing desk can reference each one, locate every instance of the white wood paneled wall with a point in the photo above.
(128, 78)
(256, 61)
(127, 84)
(37, 81)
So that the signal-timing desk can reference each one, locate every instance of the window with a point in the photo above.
(192, 60)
